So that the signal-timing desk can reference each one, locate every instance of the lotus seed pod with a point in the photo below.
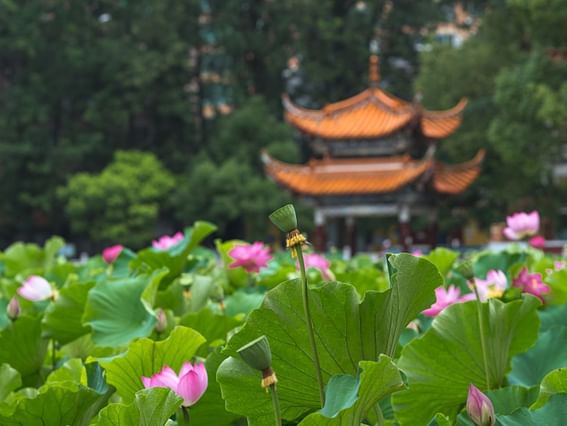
(466, 270)
(257, 354)
(285, 218)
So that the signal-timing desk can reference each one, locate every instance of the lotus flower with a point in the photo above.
(493, 286)
(558, 265)
(319, 262)
(165, 241)
(531, 283)
(110, 254)
(537, 242)
(35, 288)
(480, 408)
(445, 297)
(190, 385)
(13, 308)
(521, 225)
(251, 257)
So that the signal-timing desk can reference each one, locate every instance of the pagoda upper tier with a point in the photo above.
(372, 114)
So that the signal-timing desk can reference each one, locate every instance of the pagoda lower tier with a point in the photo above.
(349, 188)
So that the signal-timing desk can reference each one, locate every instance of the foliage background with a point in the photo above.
(82, 80)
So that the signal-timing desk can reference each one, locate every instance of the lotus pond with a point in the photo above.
(182, 333)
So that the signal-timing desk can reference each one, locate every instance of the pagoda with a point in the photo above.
(372, 155)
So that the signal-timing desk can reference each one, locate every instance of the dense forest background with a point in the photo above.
(123, 119)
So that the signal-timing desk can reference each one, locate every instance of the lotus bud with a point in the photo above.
(13, 308)
(161, 321)
(466, 270)
(480, 408)
(257, 354)
(284, 218)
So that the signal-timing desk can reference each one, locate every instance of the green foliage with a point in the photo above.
(231, 170)
(150, 407)
(516, 103)
(548, 353)
(22, 346)
(122, 203)
(552, 414)
(146, 357)
(353, 403)
(439, 367)
(119, 311)
(347, 331)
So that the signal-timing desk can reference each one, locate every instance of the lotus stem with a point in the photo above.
(276, 404)
(185, 411)
(299, 251)
(379, 415)
(482, 338)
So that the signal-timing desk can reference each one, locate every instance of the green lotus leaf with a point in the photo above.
(442, 363)
(146, 357)
(353, 400)
(152, 406)
(555, 382)
(553, 413)
(65, 403)
(63, 318)
(22, 346)
(176, 258)
(10, 380)
(120, 311)
(442, 258)
(347, 332)
(549, 353)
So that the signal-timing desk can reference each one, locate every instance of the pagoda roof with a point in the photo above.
(371, 114)
(379, 175)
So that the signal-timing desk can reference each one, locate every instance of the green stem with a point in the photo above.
(185, 411)
(379, 415)
(53, 355)
(276, 404)
(482, 337)
(310, 331)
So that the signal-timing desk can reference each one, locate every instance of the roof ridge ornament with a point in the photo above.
(374, 71)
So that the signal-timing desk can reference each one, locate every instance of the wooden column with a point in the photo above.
(350, 228)
(404, 217)
(320, 239)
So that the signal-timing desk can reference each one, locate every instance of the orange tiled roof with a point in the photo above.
(372, 113)
(369, 175)
(455, 179)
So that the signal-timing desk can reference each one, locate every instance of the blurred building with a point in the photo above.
(372, 158)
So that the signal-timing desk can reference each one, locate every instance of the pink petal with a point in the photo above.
(186, 368)
(166, 378)
(110, 254)
(511, 234)
(192, 386)
(35, 288)
(147, 381)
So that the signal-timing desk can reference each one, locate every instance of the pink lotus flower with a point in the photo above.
(493, 286)
(445, 297)
(190, 385)
(537, 242)
(35, 288)
(110, 254)
(251, 257)
(319, 262)
(165, 241)
(417, 253)
(521, 225)
(480, 408)
(531, 283)
(558, 265)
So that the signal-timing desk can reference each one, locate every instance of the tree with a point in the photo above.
(122, 203)
(226, 183)
(514, 88)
